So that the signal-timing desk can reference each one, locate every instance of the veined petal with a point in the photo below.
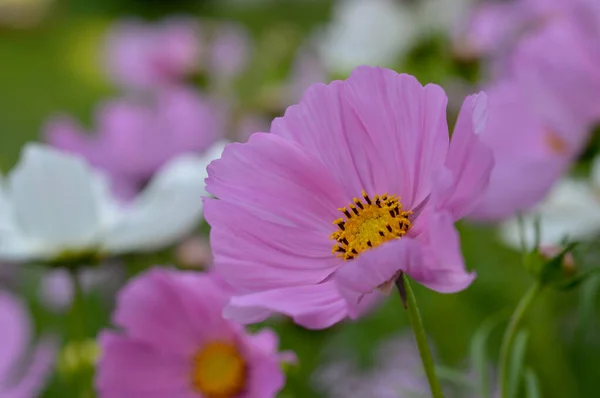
(52, 195)
(375, 267)
(314, 306)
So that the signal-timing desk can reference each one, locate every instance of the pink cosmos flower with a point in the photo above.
(145, 56)
(354, 185)
(134, 139)
(495, 28)
(230, 51)
(558, 69)
(540, 119)
(17, 381)
(530, 155)
(175, 343)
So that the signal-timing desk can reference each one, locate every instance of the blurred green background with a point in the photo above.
(54, 66)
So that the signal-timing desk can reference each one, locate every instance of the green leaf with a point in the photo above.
(578, 279)
(455, 377)
(517, 361)
(586, 311)
(532, 384)
(479, 354)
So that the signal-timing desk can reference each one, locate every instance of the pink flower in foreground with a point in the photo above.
(146, 56)
(134, 139)
(355, 184)
(175, 343)
(17, 380)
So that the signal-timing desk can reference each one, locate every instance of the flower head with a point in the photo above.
(15, 334)
(54, 207)
(144, 56)
(355, 184)
(134, 139)
(174, 342)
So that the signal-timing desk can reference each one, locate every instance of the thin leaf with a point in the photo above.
(587, 301)
(532, 384)
(517, 361)
(479, 354)
(454, 376)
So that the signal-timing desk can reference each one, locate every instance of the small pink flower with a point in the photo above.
(230, 51)
(175, 343)
(17, 381)
(355, 184)
(134, 139)
(145, 56)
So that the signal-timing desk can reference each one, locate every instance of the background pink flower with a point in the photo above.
(135, 138)
(16, 379)
(175, 343)
(146, 56)
(354, 185)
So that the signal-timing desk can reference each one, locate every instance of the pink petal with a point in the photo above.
(378, 131)
(33, 380)
(442, 266)
(255, 253)
(150, 309)
(314, 307)
(266, 378)
(375, 267)
(469, 160)
(14, 333)
(128, 368)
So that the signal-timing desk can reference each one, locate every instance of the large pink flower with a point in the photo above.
(134, 139)
(17, 380)
(145, 56)
(355, 184)
(175, 343)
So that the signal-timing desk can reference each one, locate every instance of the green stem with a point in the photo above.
(417, 324)
(509, 336)
(77, 313)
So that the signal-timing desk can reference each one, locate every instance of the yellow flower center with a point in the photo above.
(219, 371)
(367, 223)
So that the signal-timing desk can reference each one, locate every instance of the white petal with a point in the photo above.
(168, 209)
(374, 32)
(52, 195)
(571, 210)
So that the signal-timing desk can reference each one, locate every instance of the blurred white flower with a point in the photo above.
(572, 209)
(373, 32)
(54, 206)
(381, 32)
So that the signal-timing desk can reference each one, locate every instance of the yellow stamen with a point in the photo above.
(367, 223)
(219, 370)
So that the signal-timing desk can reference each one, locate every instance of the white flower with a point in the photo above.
(373, 32)
(54, 205)
(572, 209)
(381, 32)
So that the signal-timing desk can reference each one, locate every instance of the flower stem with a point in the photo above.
(77, 313)
(414, 315)
(510, 333)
